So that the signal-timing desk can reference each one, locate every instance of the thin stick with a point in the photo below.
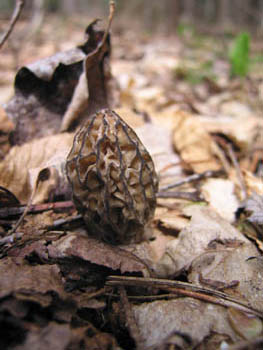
(15, 16)
(62, 222)
(35, 208)
(189, 196)
(11, 238)
(20, 220)
(238, 171)
(185, 289)
(191, 178)
(111, 14)
(106, 33)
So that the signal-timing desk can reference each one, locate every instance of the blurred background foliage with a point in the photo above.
(211, 16)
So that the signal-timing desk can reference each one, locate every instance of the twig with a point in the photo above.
(17, 11)
(185, 289)
(11, 238)
(189, 196)
(35, 208)
(145, 297)
(79, 100)
(20, 220)
(191, 178)
(61, 222)
(112, 6)
(130, 319)
(238, 171)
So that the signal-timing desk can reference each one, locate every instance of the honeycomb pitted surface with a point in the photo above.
(113, 179)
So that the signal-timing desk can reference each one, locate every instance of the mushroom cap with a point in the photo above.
(113, 179)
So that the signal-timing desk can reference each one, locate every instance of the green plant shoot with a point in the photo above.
(239, 55)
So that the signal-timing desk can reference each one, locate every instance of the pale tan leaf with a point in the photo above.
(206, 226)
(194, 319)
(253, 183)
(230, 263)
(254, 205)
(242, 130)
(5, 123)
(194, 143)
(220, 193)
(157, 138)
(6, 126)
(78, 103)
(134, 120)
(248, 326)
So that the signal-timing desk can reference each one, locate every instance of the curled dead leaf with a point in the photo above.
(17, 172)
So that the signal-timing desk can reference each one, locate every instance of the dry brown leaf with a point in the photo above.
(38, 154)
(194, 143)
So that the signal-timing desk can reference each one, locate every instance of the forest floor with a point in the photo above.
(194, 281)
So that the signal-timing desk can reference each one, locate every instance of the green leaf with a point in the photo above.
(239, 55)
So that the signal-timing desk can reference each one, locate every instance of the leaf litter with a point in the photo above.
(57, 287)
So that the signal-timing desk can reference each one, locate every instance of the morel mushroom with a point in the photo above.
(113, 179)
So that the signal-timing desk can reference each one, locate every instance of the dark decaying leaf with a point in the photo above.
(89, 249)
(255, 205)
(7, 198)
(54, 336)
(42, 93)
(43, 90)
(29, 280)
(42, 292)
(96, 89)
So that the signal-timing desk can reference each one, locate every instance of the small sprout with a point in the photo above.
(239, 55)
(113, 179)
